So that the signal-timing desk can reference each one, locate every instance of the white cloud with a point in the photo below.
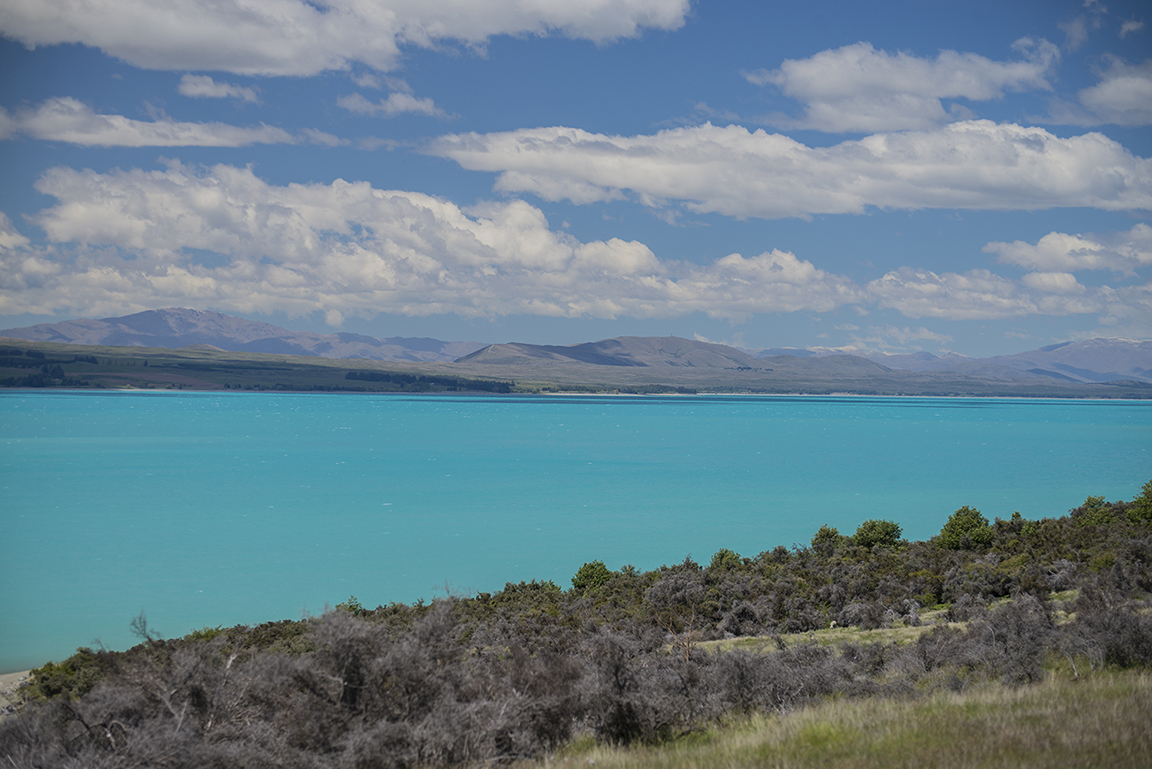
(1131, 26)
(323, 139)
(736, 287)
(9, 237)
(366, 80)
(1120, 252)
(892, 339)
(1123, 96)
(297, 37)
(224, 238)
(731, 171)
(977, 295)
(69, 120)
(1053, 282)
(204, 87)
(906, 335)
(395, 104)
(857, 88)
(134, 239)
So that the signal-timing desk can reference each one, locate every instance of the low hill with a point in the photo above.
(178, 327)
(622, 351)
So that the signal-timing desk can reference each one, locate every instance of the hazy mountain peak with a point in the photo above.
(175, 327)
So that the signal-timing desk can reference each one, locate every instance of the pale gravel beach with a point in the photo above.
(9, 683)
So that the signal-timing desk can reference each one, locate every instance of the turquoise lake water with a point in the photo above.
(216, 509)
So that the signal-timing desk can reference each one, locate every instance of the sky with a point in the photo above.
(877, 176)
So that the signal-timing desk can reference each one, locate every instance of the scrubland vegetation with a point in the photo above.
(1004, 643)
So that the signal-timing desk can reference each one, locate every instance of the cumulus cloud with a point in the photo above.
(135, 238)
(1053, 282)
(66, 119)
(857, 88)
(395, 104)
(732, 171)
(298, 37)
(1123, 96)
(1120, 252)
(736, 287)
(204, 87)
(978, 295)
(222, 237)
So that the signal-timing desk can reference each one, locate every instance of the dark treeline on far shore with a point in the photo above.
(621, 656)
(417, 381)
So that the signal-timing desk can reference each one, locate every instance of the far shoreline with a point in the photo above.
(570, 394)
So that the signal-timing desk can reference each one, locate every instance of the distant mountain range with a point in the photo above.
(175, 328)
(1088, 361)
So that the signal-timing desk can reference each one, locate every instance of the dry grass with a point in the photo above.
(1099, 721)
(897, 634)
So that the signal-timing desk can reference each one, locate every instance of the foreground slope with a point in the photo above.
(1011, 643)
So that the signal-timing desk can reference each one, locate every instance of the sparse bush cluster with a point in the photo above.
(520, 672)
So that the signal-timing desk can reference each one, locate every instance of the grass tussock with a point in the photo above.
(1101, 721)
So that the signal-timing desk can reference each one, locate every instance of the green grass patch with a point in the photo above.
(1098, 721)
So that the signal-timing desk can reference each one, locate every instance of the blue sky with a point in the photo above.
(894, 176)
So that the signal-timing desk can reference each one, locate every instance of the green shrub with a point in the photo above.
(1140, 509)
(825, 535)
(590, 576)
(205, 633)
(353, 607)
(725, 559)
(73, 677)
(875, 532)
(1094, 512)
(966, 529)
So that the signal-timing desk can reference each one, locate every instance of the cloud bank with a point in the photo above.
(732, 171)
(857, 88)
(222, 237)
(65, 119)
(136, 238)
(299, 38)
